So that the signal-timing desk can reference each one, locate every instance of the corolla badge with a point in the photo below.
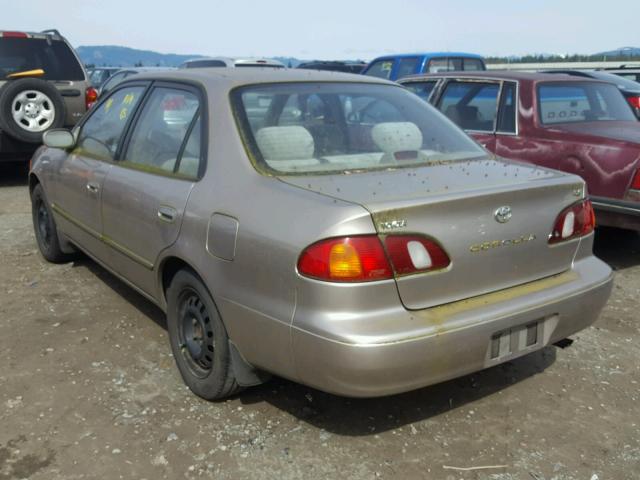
(503, 214)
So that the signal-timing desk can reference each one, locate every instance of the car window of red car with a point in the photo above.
(471, 105)
(422, 89)
(574, 102)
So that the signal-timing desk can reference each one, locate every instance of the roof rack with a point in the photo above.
(52, 31)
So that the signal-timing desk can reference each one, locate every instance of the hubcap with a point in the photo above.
(195, 333)
(33, 111)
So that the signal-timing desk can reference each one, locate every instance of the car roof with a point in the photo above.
(430, 55)
(500, 75)
(234, 77)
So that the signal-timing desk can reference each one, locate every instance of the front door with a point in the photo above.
(146, 191)
(77, 197)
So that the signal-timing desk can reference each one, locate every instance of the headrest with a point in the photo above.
(285, 143)
(391, 137)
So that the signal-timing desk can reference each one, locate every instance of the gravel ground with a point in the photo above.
(88, 389)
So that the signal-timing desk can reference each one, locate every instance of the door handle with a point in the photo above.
(93, 187)
(167, 214)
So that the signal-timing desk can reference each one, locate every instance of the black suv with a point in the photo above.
(43, 85)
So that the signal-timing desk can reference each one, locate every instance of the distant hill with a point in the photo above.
(113, 56)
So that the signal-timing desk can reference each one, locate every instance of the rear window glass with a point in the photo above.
(473, 64)
(53, 56)
(325, 127)
(581, 102)
(454, 64)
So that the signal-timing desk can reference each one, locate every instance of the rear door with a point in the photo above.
(473, 106)
(146, 191)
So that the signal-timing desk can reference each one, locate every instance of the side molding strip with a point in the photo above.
(103, 238)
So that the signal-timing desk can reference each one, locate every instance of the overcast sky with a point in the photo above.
(337, 29)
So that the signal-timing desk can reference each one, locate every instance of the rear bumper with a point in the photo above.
(457, 338)
(613, 212)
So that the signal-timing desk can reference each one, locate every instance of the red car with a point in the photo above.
(576, 125)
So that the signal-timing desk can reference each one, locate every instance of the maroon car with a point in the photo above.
(577, 125)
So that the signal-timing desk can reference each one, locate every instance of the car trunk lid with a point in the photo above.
(456, 204)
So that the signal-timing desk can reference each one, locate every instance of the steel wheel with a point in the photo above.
(33, 111)
(195, 333)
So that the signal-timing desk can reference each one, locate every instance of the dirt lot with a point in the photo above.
(88, 389)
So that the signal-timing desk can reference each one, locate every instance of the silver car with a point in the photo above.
(329, 228)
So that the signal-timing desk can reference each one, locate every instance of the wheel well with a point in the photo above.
(170, 267)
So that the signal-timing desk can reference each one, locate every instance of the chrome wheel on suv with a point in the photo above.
(33, 110)
(29, 107)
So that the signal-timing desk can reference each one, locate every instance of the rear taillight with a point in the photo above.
(634, 102)
(363, 258)
(573, 222)
(90, 97)
(415, 254)
(346, 259)
(635, 183)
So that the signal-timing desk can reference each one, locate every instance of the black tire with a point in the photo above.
(45, 228)
(54, 103)
(199, 341)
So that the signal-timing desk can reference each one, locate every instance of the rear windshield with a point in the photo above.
(453, 64)
(570, 102)
(336, 127)
(53, 56)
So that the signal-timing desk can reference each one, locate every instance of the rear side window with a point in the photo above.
(407, 66)
(101, 133)
(381, 69)
(471, 105)
(422, 89)
(53, 56)
(161, 131)
(581, 102)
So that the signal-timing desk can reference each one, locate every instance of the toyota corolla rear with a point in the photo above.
(467, 261)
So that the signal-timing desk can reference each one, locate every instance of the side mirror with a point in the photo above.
(59, 138)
